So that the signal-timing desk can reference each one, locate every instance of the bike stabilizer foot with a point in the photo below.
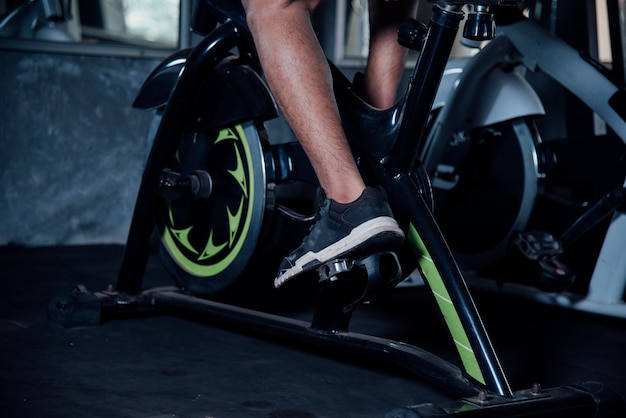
(584, 400)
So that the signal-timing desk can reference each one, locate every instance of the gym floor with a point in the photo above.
(171, 366)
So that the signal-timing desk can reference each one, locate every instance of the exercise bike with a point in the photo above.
(493, 174)
(220, 194)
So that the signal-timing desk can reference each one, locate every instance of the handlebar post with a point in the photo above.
(425, 80)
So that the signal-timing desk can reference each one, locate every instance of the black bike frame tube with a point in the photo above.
(446, 282)
(199, 64)
(435, 260)
(425, 80)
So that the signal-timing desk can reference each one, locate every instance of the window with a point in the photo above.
(352, 33)
(139, 24)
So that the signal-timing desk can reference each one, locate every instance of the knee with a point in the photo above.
(272, 5)
(269, 12)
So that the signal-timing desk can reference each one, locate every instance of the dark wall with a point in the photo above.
(71, 147)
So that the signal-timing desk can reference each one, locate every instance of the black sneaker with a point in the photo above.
(365, 225)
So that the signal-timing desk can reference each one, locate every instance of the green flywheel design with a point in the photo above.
(208, 249)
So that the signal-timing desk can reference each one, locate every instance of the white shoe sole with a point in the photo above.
(359, 235)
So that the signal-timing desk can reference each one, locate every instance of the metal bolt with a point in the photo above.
(535, 389)
(482, 395)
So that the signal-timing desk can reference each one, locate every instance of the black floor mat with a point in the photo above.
(160, 366)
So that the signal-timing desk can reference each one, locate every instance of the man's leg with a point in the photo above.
(352, 217)
(299, 77)
(386, 57)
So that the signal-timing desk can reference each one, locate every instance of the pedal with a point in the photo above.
(382, 267)
(332, 269)
(348, 282)
(538, 245)
(545, 249)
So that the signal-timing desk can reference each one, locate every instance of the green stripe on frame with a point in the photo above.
(447, 308)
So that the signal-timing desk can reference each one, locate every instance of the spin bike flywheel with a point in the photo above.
(484, 186)
(206, 243)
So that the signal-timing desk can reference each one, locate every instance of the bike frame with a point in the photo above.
(436, 263)
(395, 171)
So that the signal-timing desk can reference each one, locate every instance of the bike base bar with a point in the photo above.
(589, 399)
